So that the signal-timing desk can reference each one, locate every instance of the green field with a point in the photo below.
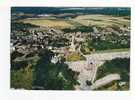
(112, 50)
(101, 20)
(82, 20)
(55, 23)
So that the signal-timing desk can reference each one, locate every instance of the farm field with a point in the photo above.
(101, 20)
(55, 23)
(82, 20)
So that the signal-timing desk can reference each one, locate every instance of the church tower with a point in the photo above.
(72, 46)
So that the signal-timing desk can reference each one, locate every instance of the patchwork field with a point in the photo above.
(101, 20)
(48, 22)
(86, 20)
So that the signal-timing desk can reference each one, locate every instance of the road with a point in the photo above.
(89, 67)
(105, 80)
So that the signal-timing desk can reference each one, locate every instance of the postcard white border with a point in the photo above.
(7, 94)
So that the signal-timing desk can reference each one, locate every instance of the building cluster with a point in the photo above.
(57, 41)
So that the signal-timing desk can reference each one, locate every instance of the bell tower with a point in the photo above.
(72, 46)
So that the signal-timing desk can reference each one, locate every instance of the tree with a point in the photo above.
(22, 78)
(120, 66)
(50, 76)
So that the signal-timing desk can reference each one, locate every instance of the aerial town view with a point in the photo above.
(70, 48)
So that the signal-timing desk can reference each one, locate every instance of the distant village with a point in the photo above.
(58, 41)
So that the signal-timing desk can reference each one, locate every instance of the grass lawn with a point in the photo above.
(112, 50)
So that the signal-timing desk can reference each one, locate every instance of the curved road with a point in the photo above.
(89, 67)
